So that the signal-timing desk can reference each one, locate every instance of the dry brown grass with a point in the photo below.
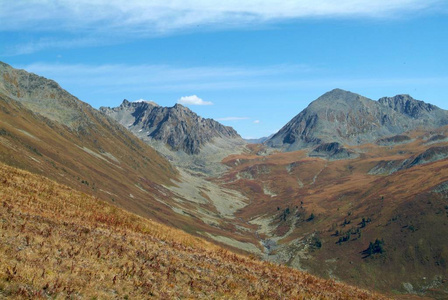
(403, 209)
(61, 243)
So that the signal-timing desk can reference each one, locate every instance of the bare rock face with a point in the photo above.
(332, 151)
(393, 140)
(351, 119)
(177, 126)
(416, 109)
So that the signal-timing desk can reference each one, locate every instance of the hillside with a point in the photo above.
(185, 138)
(348, 118)
(93, 154)
(377, 220)
(61, 243)
(372, 214)
(98, 156)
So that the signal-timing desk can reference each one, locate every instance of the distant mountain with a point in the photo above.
(370, 213)
(177, 126)
(258, 141)
(178, 133)
(348, 118)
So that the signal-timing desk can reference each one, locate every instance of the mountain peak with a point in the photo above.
(349, 118)
(407, 105)
(180, 107)
(146, 101)
(127, 103)
(339, 96)
(178, 127)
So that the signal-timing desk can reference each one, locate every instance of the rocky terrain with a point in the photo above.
(177, 126)
(180, 134)
(363, 200)
(351, 119)
(100, 157)
(332, 151)
(378, 219)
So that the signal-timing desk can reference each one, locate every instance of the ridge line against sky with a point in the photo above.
(250, 64)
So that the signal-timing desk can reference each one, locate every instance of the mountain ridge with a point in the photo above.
(349, 118)
(177, 126)
(315, 210)
(179, 134)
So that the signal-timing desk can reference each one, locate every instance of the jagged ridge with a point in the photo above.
(177, 126)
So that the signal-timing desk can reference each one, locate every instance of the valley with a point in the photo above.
(351, 190)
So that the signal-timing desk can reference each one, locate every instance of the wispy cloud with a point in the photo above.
(257, 122)
(232, 119)
(53, 43)
(122, 77)
(193, 100)
(101, 20)
(144, 79)
(162, 16)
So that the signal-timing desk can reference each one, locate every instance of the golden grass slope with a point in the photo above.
(58, 242)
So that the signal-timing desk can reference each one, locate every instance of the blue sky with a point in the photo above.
(252, 65)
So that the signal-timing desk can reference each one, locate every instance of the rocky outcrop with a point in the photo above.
(416, 109)
(430, 155)
(393, 140)
(332, 151)
(348, 118)
(178, 127)
(437, 139)
(442, 189)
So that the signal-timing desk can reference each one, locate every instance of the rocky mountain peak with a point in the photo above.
(348, 118)
(405, 104)
(338, 95)
(127, 103)
(339, 99)
(178, 127)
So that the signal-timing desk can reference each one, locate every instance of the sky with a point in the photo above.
(250, 64)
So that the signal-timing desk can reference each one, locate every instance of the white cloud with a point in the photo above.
(161, 17)
(257, 121)
(193, 100)
(232, 119)
(66, 24)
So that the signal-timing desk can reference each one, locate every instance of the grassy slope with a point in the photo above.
(410, 218)
(59, 242)
(48, 131)
(107, 161)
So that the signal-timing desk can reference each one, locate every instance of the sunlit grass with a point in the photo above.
(58, 243)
